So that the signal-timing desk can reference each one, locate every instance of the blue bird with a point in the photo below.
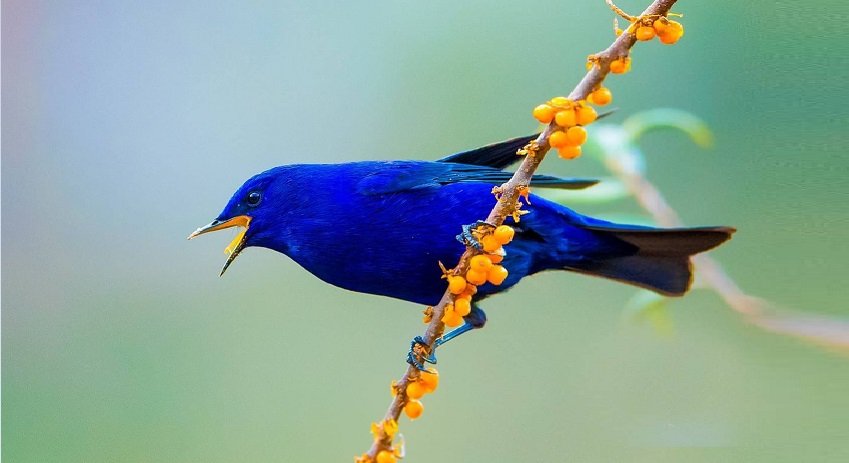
(382, 227)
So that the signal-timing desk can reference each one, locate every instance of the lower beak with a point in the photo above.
(238, 243)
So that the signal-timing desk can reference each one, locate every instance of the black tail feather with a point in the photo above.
(655, 259)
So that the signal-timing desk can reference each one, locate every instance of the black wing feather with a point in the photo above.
(498, 155)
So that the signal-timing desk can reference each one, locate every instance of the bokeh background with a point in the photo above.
(126, 125)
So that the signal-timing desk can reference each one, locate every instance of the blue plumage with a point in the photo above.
(381, 227)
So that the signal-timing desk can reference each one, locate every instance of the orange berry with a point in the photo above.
(415, 390)
(558, 139)
(462, 307)
(414, 409)
(673, 31)
(471, 289)
(576, 135)
(429, 379)
(586, 115)
(565, 118)
(475, 277)
(667, 39)
(676, 27)
(600, 96)
(620, 65)
(503, 234)
(569, 152)
(497, 274)
(385, 456)
(481, 263)
(451, 318)
(660, 25)
(561, 101)
(645, 33)
(456, 284)
(544, 113)
(495, 258)
(489, 243)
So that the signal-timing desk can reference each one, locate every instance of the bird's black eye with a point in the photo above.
(253, 199)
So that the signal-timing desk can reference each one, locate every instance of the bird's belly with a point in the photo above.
(413, 277)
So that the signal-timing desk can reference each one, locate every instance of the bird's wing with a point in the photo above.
(411, 175)
(498, 155)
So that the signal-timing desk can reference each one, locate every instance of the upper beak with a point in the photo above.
(238, 243)
(215, 225)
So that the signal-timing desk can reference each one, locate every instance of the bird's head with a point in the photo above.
(252, 208)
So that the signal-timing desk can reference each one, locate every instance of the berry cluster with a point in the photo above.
(483, 268)
(664, 29)
(425, 383)
(571, 117)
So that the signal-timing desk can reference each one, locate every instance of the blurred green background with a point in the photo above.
(126, 125)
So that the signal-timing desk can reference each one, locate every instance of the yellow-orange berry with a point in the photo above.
(429, 379)
(385, 456)
(497, 274)
(671, 33)
(495, 258)
(414, 409)
(600, 96)
(645, 33)
(456, 284)
(462, 306)
(481, 263)
(475, 277)
(503, 234)
(415, 390)
(569, 152)
(565, 118)
(471, 290)
(659, 25)
(576, 135)
(451, 318)
(489, 243)
(558, 139)
(561, 101)
(586, 115)
(620, 65)
(544, 113)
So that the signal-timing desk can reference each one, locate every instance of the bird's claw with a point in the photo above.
(419, 354)
(469, 236)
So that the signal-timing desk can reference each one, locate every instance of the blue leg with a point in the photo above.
(418, 354)
(451, 335)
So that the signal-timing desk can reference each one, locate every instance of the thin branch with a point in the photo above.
(822, 330)
(506, 206)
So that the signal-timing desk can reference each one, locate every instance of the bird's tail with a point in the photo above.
(655, 259)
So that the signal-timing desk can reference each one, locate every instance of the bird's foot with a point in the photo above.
(419, 354)
(472, 234)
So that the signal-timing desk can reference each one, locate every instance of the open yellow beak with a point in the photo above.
(235, 247)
